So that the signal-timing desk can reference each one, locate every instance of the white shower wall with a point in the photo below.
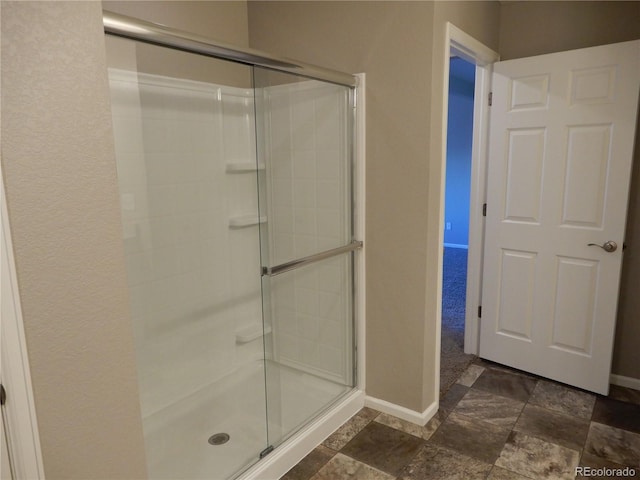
(186, 166)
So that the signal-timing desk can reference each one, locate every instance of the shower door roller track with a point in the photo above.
(136, 29)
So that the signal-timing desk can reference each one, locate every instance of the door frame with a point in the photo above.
(19, 413)
(473, 51)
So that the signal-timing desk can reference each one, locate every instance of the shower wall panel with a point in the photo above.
(186, 165)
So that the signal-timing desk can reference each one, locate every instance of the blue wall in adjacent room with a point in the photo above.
(459, 142)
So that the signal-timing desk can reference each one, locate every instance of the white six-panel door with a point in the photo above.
(560, 150)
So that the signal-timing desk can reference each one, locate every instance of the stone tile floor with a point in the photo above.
(495, 423)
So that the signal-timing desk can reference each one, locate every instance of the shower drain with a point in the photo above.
(219, 439)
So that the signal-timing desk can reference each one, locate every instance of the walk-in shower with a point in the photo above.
(236, 179)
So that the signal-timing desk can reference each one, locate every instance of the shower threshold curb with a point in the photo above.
(287, 455)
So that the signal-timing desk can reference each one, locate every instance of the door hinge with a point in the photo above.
(480, 311)
(3, 395)
(490, 98)
(484, 210)
(266, 451)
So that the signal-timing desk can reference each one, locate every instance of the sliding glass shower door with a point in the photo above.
(185, 152)
(236, 198)
(305, 193)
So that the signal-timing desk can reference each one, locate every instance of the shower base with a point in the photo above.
(177, 437)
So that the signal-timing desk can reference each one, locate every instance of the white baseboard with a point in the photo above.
(455, 245)
(419, 418)
(621, 381)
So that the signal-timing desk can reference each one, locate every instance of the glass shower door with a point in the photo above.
(185, 152)
(236, 196)
(304, 136)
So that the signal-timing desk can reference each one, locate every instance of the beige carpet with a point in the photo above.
(453, 360)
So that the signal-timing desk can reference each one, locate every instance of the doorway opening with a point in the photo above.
(454, 360)
(470, 63)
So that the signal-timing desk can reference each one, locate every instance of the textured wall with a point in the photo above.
(59, 168)
(538, 27)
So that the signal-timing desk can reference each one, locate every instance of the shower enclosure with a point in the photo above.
(236, 182)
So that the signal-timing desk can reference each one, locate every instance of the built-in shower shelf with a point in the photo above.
(252, 332)
(244, 167)
(242, 221)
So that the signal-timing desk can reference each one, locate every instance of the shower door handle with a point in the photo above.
(301, 262)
